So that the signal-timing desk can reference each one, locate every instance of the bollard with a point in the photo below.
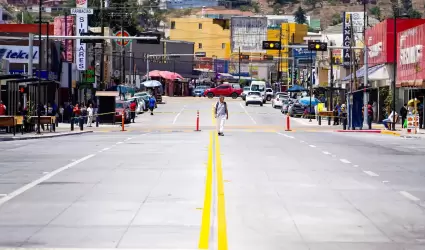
(320, 120)
(97, 121)
(288, 123)
(329, 120)
(72, 123)
(81, 120)
(344, 123)
(122, 121)
(197, 121)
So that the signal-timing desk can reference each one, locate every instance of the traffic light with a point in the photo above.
(271, 45)
(268, 57)
(317, 46)
(244, 57)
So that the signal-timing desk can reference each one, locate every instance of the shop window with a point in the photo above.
(173, 25)
(200, 45)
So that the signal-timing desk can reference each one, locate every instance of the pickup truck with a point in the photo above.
(223, 90)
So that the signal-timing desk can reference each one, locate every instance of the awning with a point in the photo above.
(375, 73)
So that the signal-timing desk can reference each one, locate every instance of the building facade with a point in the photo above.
(208, 35)
(185, 4)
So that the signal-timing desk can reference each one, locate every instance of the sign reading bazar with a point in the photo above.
(18, 54)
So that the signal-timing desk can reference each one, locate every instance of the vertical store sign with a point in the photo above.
(81, 27)
(357, 19)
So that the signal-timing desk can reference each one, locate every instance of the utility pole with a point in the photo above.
(293, 63)
(279, 64)
(40, 60)
(122, 45)
(366, 69)
(332, 78)
(239, 65)
(311, 81)
(102, 48)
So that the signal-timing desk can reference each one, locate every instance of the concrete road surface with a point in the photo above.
(162, 185)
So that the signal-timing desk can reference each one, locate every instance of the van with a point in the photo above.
(259, 86)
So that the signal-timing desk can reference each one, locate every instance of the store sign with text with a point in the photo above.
(81, 26)
(18, 54)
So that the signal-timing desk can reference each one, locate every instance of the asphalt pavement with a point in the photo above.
(162, 185)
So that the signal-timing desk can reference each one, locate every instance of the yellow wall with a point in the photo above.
(211, 36)
(299, 31)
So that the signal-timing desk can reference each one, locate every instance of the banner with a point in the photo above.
(81, 26)
(248, 34)
(356, 20)
(65, 28)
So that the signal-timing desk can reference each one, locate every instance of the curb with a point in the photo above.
(44, 136)
(393, 133)
(360, 131)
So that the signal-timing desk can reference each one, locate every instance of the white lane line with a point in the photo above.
(27, 187)
(246, 112)
(345, 161)
(120, 142)
(302, 141)
(177, 116)
(326, 152)
(356, 166)
(385, 181)
(106, 149)
(288, 136)
(409, 196)
(3, 195)
(313, 146)
(128, 139)
(370, 173)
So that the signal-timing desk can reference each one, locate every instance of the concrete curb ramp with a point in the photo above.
(44, 136)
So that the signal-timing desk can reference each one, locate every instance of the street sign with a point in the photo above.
(126, 41)
(76, 11)
(200, 54)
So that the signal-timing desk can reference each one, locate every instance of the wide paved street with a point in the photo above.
(162, 185)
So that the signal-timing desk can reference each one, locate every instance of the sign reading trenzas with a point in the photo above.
(18, 54)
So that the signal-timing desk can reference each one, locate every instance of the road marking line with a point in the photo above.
(204, 237)
(30, 185)
(221, 206)
(286, 135)
(326, 152)
(105, 149)
(128, 139)
(312, 146)
(356, 166)
(302, 141)
(409, 196)
(178, 114)
(345, 161)
(3, 195)
(371, 173)
(119, 142)
(246, 112)
(385, 181)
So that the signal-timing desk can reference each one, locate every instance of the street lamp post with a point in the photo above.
(40, 52)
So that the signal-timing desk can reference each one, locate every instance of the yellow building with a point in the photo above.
(209, 36)
(291, 33)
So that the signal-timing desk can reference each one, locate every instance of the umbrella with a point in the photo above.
(170, 75)
(155, 73)
(297, 88)
(412, 102)
(306, 101)
(151, 84)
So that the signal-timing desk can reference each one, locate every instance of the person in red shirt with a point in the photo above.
(77, 112)
(133, 106)
(2, 108)
(369, 115)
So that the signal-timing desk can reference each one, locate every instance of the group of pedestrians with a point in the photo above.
(83, 114)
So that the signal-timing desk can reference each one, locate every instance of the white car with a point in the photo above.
(140, 108)
(245, 91)
(269, 94)
(254, 97)
(278, 99)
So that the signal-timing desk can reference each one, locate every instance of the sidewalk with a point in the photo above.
(60, 131)
(315, 124)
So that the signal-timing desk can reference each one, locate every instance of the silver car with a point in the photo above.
(245, 92)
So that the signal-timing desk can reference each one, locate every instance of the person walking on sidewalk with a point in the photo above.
(403, 113)
(90, 113)
(369, 115)
(152, 103)
(221, 115)
(133, 106)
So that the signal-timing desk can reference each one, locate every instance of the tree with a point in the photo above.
(300, 16)
(277, 9)
(376, 11)
(312, 3)
(27, 17)
(414, 14)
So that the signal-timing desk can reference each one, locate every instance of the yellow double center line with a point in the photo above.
(204, 239)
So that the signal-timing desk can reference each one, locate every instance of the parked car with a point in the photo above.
(199, 91)
(223, 90)
(285, 105)
(245, 91)
(278, 99)
(140, 108)
(120, 107)
(145, 99)
(254, 97)
(269, 94)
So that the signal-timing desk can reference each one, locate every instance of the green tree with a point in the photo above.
(376, 11)
(336, 19)
(414, 14)
(300, 16)
(25, 17)
(277, 9)
(312, 3)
